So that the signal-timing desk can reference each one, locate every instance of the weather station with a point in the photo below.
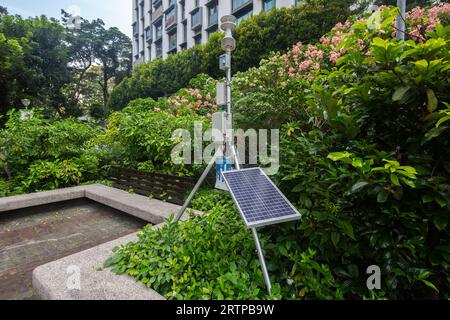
(257, 198)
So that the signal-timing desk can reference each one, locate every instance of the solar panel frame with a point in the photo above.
(263, 221)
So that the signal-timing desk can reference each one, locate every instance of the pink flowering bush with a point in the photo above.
(200, 102)
(302, 61)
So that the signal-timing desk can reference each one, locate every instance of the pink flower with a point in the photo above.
(305, 65)
(336, 40)
(157, 110)
(335, 57)
(339, 26)
(347, 24)
(324, 41)
(274, 59)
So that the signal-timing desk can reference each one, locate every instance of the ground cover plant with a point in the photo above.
(364, 122)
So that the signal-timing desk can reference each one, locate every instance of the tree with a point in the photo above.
(113, 50)
(81, 44)
(3, 11)
(91, 45)
(44, 65)
(11, 63)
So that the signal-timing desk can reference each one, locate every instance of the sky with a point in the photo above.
(115, 13)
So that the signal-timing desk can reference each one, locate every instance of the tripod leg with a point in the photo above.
(262, 261)
(197, 186)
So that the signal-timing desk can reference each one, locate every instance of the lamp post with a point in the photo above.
(401, 20)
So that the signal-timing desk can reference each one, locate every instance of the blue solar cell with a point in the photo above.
(260, 202)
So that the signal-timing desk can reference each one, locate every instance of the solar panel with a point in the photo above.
(259, 201)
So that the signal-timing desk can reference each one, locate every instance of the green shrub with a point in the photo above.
(140, 136)
(214, 257)
(37, 153)
(370, 172)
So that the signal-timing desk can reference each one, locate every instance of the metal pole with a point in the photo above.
(262, 261)
(401, 18)
(197, 186)
(229, 79)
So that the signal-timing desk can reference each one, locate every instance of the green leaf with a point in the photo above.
(440, 221)
(408, 182)
(335, 238)
(358, 186)
(383, 195)
(394, 180)
(336, 156)
(432, 101)
(442, 120)
(421, 65)
(428, 198)
(433, 133)
(429, 284)
(347, 228)
(400, 93)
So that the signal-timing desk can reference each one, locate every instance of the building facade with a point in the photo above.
(164, 27)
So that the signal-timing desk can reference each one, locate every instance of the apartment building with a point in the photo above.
(164, 27)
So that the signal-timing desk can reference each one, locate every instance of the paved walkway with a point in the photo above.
(35, 236)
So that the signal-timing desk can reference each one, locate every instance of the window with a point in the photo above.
(159, 50)
(171, 17)
(237, 4)
(197, 3)
(184, 33)
(149, 34)
(142, 10)
(196, 19)
(183, 10)
(173, 41)
(213, 15)
(171, 2)
(198, 39)
(159, 31)
(268, 5)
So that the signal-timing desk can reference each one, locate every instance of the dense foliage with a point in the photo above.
(42, 154)
(51, 64)
(256, 37)
(364, 157)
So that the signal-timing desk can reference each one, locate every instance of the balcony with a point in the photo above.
(196, 18)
